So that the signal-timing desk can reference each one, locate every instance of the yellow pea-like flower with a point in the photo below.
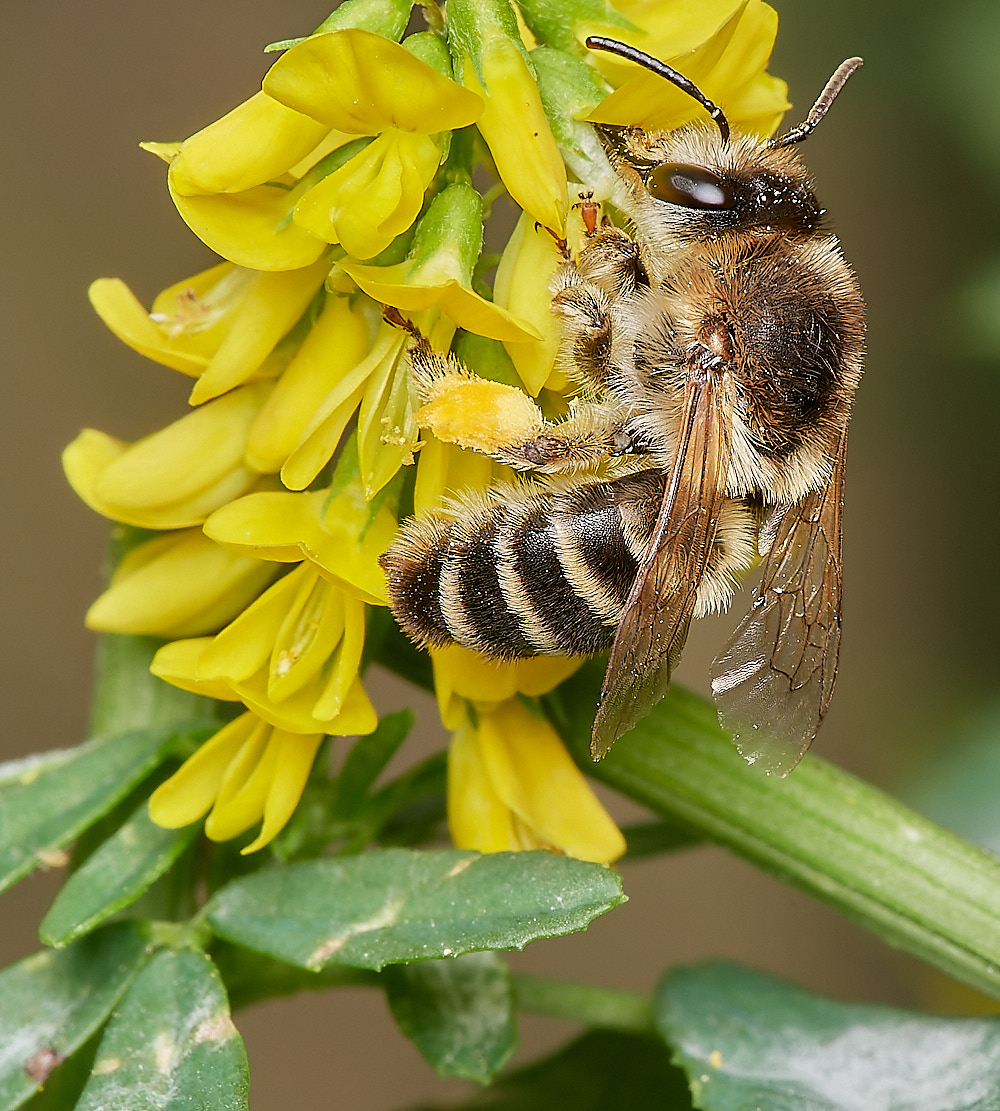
(246, 773)
(512, 785)
(179, 585)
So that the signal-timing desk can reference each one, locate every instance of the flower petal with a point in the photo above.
(190, 791)
(533, 774)
(255, 142)
(362, 83)
(272, 303)
(477, 817)
(178, 585)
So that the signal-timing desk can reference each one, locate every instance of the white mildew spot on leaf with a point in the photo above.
(387, 916)
(106, 1066)
(165, 1053)
(215, 1029)
(460, 867)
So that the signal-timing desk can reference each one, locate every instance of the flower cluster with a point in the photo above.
(344, 186)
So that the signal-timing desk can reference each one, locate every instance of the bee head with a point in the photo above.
(709, 184)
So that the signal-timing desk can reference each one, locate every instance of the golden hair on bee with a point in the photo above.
(717, 345)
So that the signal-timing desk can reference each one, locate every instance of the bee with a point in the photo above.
(717, 348)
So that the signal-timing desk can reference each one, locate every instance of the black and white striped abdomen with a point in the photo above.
(526, 570)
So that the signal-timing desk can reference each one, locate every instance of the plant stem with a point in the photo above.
(606, 1008)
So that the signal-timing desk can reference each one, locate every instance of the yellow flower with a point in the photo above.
(292, 657)
(176, 477)
(248, 772)
(178, 585)
(512, 785)
(274, 181)
(335, 344)
(728, 66)
(527, 266)
(494, 64)
(438, 270)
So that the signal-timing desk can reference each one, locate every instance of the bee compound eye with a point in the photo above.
(690, 186)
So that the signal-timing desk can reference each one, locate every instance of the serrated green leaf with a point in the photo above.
(600, 1071)
(747, 1040)
(123, 867)
(459, 1013)
(170, 1044)
(48, 809)
(393, 905)
(53, 1001)
(821, 829)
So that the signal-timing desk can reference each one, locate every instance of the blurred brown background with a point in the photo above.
(908, 163)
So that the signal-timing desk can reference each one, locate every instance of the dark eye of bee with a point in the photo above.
(691, 186)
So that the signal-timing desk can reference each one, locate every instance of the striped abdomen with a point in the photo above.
(527, 571)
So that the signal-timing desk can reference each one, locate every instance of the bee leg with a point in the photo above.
(591, 433)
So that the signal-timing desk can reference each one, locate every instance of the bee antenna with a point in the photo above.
(661, 69)
(821, 107)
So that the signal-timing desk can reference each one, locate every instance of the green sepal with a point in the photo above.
(470, 22)
(559, 22)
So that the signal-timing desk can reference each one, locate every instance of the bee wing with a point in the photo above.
(774, 681)
(658, 610)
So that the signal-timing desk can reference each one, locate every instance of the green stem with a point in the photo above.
(606, 1008)
(914, 884)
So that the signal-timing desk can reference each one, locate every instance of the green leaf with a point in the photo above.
(459, 1013)
(48, 809)
(364, 763)
(822, 830)
(250, 977)
(171, 1043)
(599, 1071)
(114, 876)
(52, 1003)
(747, 1040)
(393, 905)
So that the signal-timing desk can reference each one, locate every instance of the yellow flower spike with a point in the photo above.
(517, 132)
(336, 343)
(187, 322)
(190, 792)
(529, 262)
(326, 426)
(529, 770)
(362, 83)
(460, 675)
(373, 197)
(253, 228)
(175, 477)
(178, 585)
(257, 141)
(270, 306)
